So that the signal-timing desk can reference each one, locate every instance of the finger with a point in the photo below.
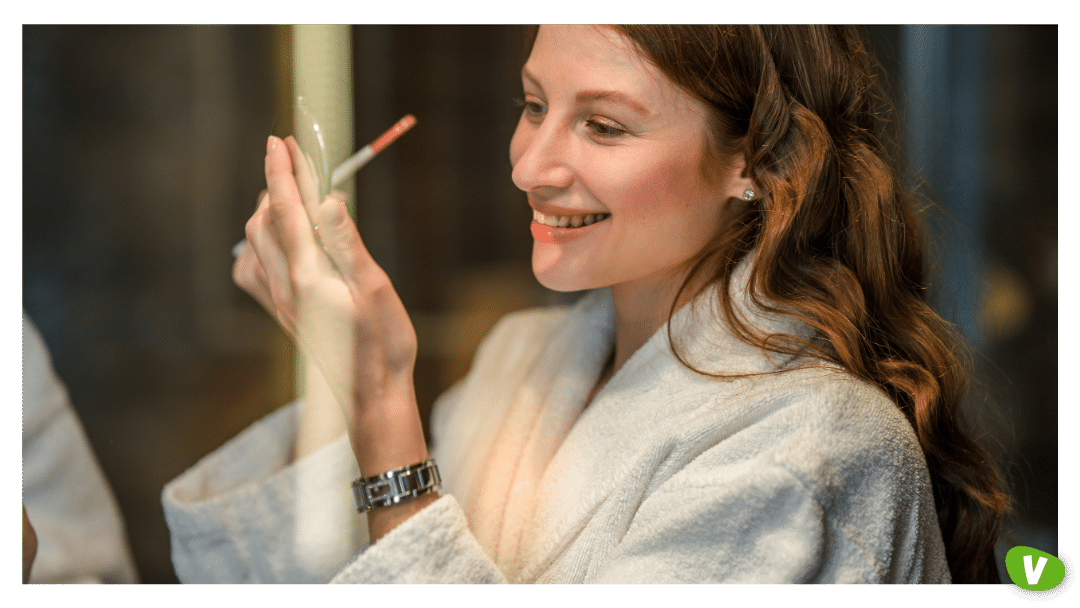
(239, 247)
(342, 241)
(278, 169)
(263, 242)
(250, 276)
(287, 215)
(264, 255)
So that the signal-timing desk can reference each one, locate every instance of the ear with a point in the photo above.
(738, 183)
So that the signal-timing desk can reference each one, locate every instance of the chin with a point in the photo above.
(555, 283)
(561, 274)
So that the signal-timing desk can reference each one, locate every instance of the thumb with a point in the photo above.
(340, 238)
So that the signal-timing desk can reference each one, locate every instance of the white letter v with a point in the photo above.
(1033, 575)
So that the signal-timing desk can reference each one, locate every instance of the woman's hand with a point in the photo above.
(342, 310)
(348, 319)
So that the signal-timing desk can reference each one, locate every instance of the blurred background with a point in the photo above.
(142, 159)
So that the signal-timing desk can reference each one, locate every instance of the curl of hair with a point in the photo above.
(837, 240)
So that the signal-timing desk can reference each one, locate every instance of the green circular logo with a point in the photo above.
(1037, 572)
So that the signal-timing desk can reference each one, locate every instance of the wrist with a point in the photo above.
(386, 432)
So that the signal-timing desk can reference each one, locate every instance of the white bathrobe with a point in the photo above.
(69, 502)
(667, 476)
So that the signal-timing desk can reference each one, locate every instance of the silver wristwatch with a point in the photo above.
(396, 485)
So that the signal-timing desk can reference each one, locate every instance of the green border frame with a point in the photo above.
(494, 11)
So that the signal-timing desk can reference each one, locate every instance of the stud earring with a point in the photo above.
(748, 194)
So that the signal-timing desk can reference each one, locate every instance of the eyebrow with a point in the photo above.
(599, 95)
(615, 97)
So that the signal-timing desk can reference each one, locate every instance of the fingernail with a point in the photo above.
(271, 143)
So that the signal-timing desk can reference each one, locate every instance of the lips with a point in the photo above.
(559, 225)
(553, 235)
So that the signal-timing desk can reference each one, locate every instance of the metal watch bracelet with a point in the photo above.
(396, 485)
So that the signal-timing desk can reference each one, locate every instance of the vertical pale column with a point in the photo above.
(322, 74)
(327, 531)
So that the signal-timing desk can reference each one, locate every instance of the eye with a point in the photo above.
(604, 129)
(532, 110)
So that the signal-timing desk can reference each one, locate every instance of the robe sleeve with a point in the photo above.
(247, 513)
(433, 546)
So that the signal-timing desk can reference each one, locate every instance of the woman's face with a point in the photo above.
(605, 134)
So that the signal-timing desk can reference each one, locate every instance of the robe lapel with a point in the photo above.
(540, 415)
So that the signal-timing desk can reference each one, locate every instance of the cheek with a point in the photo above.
(659, 190)
(667, 206)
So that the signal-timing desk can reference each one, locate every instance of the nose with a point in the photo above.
(540, 155)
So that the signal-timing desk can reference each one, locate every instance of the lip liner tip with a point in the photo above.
(394, 132)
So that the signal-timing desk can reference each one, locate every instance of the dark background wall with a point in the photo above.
(142, 156)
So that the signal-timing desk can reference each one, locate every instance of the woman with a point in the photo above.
(755, 389)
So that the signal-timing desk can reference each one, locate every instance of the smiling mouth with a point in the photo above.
(569, 221)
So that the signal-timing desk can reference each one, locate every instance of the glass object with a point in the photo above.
(313, 174)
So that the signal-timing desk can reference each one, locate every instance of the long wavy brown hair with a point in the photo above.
(837, 240)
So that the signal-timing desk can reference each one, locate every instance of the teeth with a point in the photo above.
(568, 221)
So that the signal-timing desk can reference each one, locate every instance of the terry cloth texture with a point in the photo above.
(790, 474)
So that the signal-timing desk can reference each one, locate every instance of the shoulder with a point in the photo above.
(827, 428)
(862, 460)
(854, 453)
(833, 418)
(810, 462)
